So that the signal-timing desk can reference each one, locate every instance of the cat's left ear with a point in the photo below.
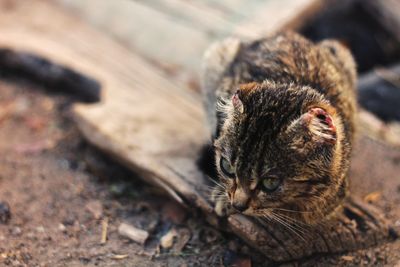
(237, 102)
(320, 124)
(239, 98)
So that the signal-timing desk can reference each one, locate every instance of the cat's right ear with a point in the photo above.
(319, 122)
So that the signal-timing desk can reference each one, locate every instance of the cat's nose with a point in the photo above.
(240, 200)
(239, 206)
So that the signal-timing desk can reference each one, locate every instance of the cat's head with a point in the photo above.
(280, 151)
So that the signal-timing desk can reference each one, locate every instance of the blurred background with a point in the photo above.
(173, 34)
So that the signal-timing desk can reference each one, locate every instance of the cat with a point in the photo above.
(281, 113)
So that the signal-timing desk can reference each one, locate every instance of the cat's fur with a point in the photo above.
(282, 107)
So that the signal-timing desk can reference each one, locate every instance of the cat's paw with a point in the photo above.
(222, 207)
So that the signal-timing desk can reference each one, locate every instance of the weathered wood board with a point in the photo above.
(157, 128)
(173, 34)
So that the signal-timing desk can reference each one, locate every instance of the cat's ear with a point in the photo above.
(237, 102)
(319, 122)
(239, 98)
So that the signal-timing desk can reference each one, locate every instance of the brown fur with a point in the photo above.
(295, 124)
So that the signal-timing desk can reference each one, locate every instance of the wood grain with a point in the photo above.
(174, 34)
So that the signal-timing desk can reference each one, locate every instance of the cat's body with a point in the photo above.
(281, 111)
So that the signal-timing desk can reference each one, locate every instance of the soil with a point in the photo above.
(57, 192)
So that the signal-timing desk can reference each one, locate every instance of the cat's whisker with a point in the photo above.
(296, 229)
(289, 226)
(294, 220)
(218, 184)
(218, 195)
(300, 226)
(291, 221)
(294, 211)
(285, 224)
(214, 188)
(266, 217)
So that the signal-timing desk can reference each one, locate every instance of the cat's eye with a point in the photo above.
(270, 184)
(227, 168)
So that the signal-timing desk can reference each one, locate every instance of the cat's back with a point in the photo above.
(286, 58)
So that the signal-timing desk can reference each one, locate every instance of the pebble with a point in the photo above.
(16, 231)
(62, 227)
(168, 239)
(95, 208)
(5, 212)
(231, 258)
(40, 229)
(348, 258)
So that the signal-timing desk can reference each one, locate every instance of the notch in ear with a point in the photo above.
(320, 124)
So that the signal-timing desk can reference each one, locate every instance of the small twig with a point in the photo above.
(104, 230)
(133, 233)
(120, 256)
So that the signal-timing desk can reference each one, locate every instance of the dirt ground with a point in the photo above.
(61, 191)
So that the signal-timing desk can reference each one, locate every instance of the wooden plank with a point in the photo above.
(129, 83)
(155, 35)
(175, 33)
(246, 19)
(273, 15)
(198, 15)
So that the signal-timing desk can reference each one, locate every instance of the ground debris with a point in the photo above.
(184, 236)
(373, 197)
(233, 259)
(35, 147)
(242, 262)
(138, 235)
(168, 239)
(104, 230)
(5, 212)
(95, 208)
(62, 228)
(36, 123)
(16, 231)
(175, 240)
(174, 212)
(5, 111)
(119, 256)
(348, 258)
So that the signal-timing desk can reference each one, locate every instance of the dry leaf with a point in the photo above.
(373, 197)
(348, 258)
